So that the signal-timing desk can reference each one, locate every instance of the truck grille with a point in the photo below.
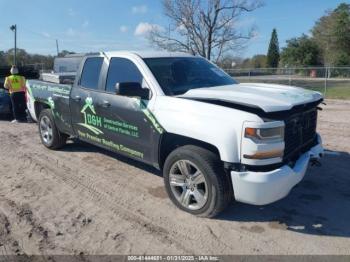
(300, 133)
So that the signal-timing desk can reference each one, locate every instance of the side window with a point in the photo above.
(122, 70)
(91, 73)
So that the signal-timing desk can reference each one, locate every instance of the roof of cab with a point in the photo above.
(148, 54)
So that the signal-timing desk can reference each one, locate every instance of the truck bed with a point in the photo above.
(59, 78)
(54, 96)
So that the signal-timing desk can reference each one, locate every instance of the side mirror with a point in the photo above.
(132, 89)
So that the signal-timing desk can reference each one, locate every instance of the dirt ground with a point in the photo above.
(84, 200)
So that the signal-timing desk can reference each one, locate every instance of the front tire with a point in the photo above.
(49, 134)
(196, 181)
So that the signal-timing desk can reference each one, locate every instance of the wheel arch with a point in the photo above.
(170, 141)
(38, 107)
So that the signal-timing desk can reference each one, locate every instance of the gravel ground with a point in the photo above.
(84, 200)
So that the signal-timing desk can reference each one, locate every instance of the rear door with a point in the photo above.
(87, 125)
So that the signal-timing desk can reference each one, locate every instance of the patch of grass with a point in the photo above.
(338, 92)
(335, 89)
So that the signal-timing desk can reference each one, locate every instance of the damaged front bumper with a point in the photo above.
(261, 188)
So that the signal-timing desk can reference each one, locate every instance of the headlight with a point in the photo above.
(265, 134)
(262, 143)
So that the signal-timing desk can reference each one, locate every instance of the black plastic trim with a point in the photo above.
(239, 167)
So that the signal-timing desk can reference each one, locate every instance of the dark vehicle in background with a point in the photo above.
(29, 72)
(5, 104)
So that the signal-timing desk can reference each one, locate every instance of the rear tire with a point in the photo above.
(50, 136)
(206, 190)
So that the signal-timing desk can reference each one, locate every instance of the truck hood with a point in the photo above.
(268, 97)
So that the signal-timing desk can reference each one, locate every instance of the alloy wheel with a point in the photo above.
(46, 130)
(188, 184)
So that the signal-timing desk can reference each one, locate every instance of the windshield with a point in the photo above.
(177, 75)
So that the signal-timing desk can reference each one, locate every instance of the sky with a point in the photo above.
(104, 25)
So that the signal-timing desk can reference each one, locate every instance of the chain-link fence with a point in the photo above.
(333, 82)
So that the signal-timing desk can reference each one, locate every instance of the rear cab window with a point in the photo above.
(91, 73)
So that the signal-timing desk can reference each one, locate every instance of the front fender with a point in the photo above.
(216, 125)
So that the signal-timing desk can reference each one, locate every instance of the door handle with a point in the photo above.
(77, 98)
(105, 104)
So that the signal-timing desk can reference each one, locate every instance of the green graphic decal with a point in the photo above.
(92, 121)
(61, 89)
(51, 103)
(111, 144)
(150, 117)
(121, 127)
(29, 90)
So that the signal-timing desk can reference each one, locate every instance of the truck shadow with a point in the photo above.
(319, 205)
(80, 146)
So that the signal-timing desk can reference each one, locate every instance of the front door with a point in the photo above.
(128, 126)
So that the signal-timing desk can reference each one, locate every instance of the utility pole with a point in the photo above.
(58, 50)
(168, 37)
(14, 29)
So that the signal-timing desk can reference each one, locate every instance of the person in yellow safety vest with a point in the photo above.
(15, 83)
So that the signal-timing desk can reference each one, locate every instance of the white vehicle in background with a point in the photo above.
(68, 63)
(214, 139)
(64, 69)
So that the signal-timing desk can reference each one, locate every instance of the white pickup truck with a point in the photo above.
(214, 139)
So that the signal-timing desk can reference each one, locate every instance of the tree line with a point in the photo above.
(25, 59)
(328, 44)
